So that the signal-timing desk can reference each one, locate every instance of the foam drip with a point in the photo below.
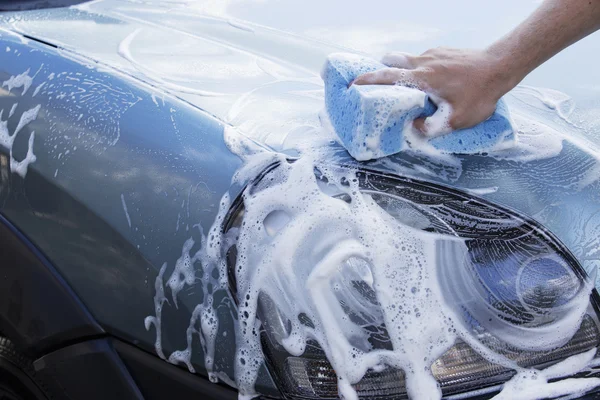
(6, 138)
(297, 261)
(297, 245)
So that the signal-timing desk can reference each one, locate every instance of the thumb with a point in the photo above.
(436, 125)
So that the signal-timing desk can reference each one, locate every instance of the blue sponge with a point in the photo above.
(370, 119)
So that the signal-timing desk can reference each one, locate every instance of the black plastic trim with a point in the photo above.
(38, 310)
(39, 40)
(89, 370)
(158, 380)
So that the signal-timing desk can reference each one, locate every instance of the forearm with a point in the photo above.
(555, 25)
(469, 83)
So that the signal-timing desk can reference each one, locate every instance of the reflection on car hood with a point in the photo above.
(214, 63)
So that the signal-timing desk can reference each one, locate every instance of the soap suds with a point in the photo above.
(27, 117)
(481, 191)
(12, 110)
(125, 44)
(156, 319)
(298, 262)
(20, 167)
(22, 80)
(98, 104)
(533, 384)
(124, 50)
(542, 129)
(204, 321)
(37, 89)
(554, 100)
(125, 210)
(298, 245)
(439, 123)
(154, 100)
(7, 139)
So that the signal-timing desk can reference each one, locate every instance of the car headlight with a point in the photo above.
(514, 277)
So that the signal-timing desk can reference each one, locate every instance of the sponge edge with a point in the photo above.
(496, 132)
(370, 120)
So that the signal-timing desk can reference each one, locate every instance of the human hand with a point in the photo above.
(464, 84)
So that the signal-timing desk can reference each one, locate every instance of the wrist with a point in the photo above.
(504, 71)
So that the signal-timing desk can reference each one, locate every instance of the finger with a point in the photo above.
(385, 76)
(419, 124)
(436, 125)
(399, 60)
(390, 76)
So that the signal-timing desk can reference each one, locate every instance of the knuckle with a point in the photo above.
(398, 60)
(421, 77)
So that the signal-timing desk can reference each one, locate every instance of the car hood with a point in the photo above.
(255, 64)
(221, 57)
(214, 63)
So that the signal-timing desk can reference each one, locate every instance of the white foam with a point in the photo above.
(22, 80)
(183, 273)
(37, 89)
(154, 99)
(156, 319)
(560, 103)
(542, 119)
(27, 117)
(10, 32)
(536, 141)
(20, 167)
(481, 191)
(439, 123)
(204, 321)
(12, 110)
(7, 140)
(533, 384)
(299, 257)
(124, 50)
(125, 210)
(299, 245)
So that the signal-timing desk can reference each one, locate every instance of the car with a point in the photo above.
(177, 220)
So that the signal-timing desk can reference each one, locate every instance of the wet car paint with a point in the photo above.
(153, 87)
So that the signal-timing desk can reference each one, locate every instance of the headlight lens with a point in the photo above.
(515, 276)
